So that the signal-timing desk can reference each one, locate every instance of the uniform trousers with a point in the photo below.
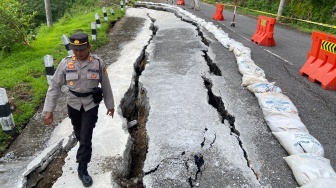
(83, 124)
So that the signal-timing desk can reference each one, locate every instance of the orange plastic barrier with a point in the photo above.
(321, 60)
(264, 33)
(180, 2)
(219, 12)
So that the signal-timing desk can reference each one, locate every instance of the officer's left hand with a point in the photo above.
(110, 112)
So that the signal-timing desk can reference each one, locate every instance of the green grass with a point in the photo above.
(22, 72)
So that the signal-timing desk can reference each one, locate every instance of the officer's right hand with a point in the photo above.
(48, 118)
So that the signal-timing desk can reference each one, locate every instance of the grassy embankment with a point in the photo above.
(22, 71)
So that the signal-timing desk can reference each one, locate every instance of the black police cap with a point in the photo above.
(79, 41)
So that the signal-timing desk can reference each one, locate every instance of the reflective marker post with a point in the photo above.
(66, 43)
(6, 117)
(93, 30)
(49, 67)
(105, 14)
(112, 11)
(121, 5)
(98, 20)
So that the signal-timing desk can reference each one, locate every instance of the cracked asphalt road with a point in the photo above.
(203, 147)
(198, 126)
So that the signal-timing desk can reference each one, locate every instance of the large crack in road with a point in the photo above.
(218, 104)
(135, 108)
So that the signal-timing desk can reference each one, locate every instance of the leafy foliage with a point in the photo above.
(14, 23)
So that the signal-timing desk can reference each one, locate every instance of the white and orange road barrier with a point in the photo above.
(264, 35)
(219, 12)
(320, 66)
(180, 2)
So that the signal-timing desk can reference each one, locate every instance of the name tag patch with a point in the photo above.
(93, 70)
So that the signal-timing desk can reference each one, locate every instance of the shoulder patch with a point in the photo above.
(66, 58)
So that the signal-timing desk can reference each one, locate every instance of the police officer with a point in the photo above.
(82, 73)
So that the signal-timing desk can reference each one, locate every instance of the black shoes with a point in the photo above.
(84, 175)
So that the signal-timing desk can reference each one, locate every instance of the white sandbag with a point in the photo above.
(244, 58)
(299, 142)
(200, 22)
(307, 167)
(321, 183)
(210, 27)
(264, 87)
(246, 67)
(222, 37)
(276, 102)
(219, 34)
(226, 42)
(279, 121)
(236, 45)
(249, 79)
(239, 49)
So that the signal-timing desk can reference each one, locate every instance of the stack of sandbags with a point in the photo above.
(306, 153)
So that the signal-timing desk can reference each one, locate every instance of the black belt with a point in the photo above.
(80, 94)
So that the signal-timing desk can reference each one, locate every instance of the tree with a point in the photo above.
(48, 12)
(281, 5)
(14, 24)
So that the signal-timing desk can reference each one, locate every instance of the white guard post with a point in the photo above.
(195, 4)
(6, 117)
(105, 14)
(49, 67)
(93, 30)
(122, 5)
(66, 43)
(112, 11)
(171, 2)
(98, 20)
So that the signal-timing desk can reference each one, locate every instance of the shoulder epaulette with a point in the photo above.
(95, 56)
(66, 58)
